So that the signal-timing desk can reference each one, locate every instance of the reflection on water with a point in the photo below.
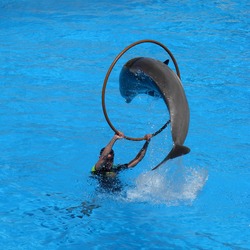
(85, 208)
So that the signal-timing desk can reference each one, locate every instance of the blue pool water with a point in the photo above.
(53, 59)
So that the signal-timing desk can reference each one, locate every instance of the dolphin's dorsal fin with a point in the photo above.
(167, 62)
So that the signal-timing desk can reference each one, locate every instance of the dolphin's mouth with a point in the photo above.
(128, 99)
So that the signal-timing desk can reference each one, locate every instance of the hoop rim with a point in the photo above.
(109, 72)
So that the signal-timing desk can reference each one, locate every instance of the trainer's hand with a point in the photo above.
(147, 137)
(119, 135)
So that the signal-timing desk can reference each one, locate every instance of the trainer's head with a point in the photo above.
(110, 155)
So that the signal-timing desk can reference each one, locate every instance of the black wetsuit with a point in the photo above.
(108, 180)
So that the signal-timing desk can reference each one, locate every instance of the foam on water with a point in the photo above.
(174, 185)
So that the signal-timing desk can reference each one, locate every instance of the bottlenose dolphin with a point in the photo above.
(149, 76)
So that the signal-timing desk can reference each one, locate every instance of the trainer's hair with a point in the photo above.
(111, 152)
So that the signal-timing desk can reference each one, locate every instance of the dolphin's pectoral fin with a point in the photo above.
(176, 151)
(151, 93)
(167, 62)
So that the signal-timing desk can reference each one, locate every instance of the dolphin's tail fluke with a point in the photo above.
(176, 151)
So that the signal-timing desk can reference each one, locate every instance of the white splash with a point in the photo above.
(172, 186)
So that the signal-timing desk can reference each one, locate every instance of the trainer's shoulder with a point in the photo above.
(120, 167)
